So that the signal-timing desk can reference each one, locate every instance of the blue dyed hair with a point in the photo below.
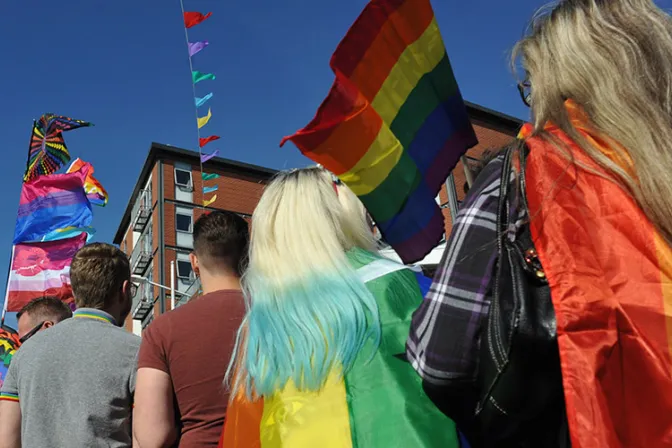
(309, 315)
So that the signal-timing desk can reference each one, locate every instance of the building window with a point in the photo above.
(183, 178)
(184, 271)
(183, 221)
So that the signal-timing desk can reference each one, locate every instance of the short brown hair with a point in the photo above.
(97, 273)
(220, 241)
(46, 308)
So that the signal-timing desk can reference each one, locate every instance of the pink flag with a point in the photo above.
(40, 269)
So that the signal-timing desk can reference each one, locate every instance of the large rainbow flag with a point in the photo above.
(394, 124)
(610, 274)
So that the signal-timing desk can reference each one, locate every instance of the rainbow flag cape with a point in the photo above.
(9, 343)
(52, 202)
(610, 274)
(379, 403)
(394, 124)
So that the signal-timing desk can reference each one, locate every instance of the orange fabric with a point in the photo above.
(241, 428)
(610, 275)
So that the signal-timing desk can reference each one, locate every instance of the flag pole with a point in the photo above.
(9, 274)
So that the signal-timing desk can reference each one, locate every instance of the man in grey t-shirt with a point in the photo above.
(72, 386)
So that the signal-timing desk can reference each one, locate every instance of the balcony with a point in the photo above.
(143, 302)
(142, 210)
(192, 291)
(142, 254)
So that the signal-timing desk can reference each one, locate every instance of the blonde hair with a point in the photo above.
(614, 59)
(308, 312)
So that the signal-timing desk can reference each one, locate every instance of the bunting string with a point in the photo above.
(192, 19)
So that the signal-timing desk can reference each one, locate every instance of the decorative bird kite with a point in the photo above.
(48, 152)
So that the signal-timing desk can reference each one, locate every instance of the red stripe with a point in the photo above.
(362, 33)
(345, 120)
(402, 28)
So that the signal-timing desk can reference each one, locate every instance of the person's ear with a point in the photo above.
(47, 324)
(194, 264)
(125, 291)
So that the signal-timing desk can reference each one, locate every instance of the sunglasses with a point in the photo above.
(32, 332)
(525, 90)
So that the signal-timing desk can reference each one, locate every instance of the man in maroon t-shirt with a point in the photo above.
(179, 395)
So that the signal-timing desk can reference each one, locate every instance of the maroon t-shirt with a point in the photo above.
(193, 344)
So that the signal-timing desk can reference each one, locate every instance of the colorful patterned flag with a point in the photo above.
(194, 18)
(94, 190)
(48, 151)
(208, 190)
(9, 343)
(39, 269)
(394, 124)
(209, 176)
(52, 202)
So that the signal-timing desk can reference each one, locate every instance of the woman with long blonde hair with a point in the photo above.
(320, 353)
(593, 191)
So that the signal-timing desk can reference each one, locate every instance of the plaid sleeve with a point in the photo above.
(443, 341)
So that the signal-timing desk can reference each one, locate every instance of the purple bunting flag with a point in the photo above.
(205, 157)
(195, 47)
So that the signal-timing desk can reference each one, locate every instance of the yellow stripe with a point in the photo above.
(375, 165)
(307, 419)
(418, 59)
(664, 256)
(92, 316)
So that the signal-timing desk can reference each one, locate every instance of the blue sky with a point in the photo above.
(123, 66)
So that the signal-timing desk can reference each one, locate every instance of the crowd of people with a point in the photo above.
(538, 330)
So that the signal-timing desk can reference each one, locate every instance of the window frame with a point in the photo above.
(190, 184)
(191, 222)
(177, 270)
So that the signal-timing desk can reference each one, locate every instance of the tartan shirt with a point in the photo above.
(444, 338)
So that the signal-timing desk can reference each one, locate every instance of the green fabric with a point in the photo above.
(433, 89)
(388, 407)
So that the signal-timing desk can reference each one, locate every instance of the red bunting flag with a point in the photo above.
(204, 141)
(194, 18)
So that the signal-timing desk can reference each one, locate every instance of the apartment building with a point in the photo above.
(156, 228)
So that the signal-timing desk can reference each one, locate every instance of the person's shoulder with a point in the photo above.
(213, 301)
(123, 336)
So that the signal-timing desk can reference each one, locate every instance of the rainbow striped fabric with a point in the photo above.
(394, 124)
(610, 274)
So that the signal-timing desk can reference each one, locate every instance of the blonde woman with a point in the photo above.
(595, 181)
(320, 354)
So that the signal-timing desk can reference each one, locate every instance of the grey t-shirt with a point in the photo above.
(75, 383)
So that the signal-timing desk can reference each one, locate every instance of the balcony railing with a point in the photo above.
(142, 210)
(192, 291)
(142, 254)
(143, 302)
